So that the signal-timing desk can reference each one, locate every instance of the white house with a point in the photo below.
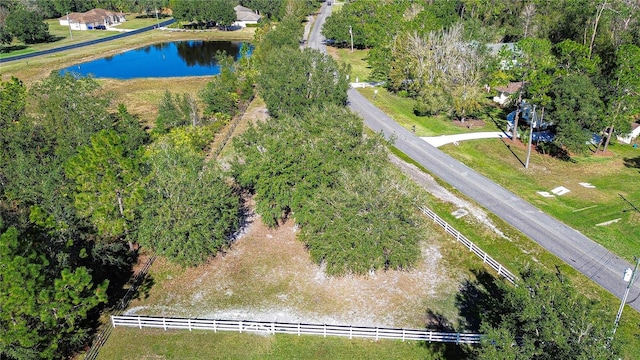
(245, 16)
(635, 132)
(91, 19)
(504, 92)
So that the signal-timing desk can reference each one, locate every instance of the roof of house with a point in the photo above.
(512, 88)
(246, 14)
(91, 16)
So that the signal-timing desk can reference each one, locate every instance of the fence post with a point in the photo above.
(240, 326)
(298, 329)
(350, 332)
(164, 323)
(273, 328)
(324, 331)
(458, 339)
(189, 323)
(139, 323)
(499, 269)
(214, 326)
(484, 257)
(402, 334)
(113, 322)
(376, 333)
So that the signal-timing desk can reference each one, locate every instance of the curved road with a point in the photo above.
(582, 253)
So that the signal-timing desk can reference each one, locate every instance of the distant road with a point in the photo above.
(582, 253)
(86, 43)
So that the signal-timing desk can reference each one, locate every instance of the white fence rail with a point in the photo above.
(264, 327)
(502, 271)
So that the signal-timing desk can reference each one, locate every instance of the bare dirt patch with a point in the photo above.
(268, 275)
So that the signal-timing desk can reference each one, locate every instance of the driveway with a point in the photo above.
(438, 141)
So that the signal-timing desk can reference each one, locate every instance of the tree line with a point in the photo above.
(577, 60)
(83, 186)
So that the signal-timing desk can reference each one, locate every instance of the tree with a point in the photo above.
(13, 100)
(27, 26)
(220, 12)
(291, 81)
(577, 110)
(108, 180)
(364, 223)
(542, 318)
(221, 95)
(439, 63)
(190, 211)
(271, 9)
(623, 101)
(44, 307)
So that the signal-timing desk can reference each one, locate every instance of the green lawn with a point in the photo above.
(160, 344)
(582, 208)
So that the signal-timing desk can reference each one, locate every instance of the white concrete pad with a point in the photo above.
(560, 190)
(459, 213)
(587, 185)
(546, 194)
(609, 222)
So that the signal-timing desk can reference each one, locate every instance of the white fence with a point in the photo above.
(263, 327)
(502, 271)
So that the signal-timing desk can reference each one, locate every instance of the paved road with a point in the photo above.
(582, 253)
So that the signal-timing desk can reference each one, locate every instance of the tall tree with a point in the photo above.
(13, 100)
(108, 180)
(577, 110)
(190, 211)
(43, 306)
(623, 100)
(542, 318)
(27, 26)
(291, 81)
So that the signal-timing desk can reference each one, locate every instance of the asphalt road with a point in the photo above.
(582, 253)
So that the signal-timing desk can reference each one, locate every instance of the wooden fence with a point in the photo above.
(502, 271)
(264, 327)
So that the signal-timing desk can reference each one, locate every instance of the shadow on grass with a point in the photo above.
(478, 301)
(511, 150)
(632, 162)
(11, 48)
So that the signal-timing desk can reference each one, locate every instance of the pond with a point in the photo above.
(170, 59)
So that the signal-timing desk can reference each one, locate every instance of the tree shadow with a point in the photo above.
(439, 322)
(478, 301)
(11, 48)
(632, 162)
(144, 287)
(52, 38)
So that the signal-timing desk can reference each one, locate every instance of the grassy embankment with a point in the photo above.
(583, 208)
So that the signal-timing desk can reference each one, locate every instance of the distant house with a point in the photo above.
(504, 92)
(92, 19)
(628, 138)
(245, 16)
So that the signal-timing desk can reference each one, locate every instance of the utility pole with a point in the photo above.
(631, 276)
(351, 34)
(532, 122)
(68, 23)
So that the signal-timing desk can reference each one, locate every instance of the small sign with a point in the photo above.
(627, 275)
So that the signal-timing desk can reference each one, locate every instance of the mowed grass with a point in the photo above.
(160, 344)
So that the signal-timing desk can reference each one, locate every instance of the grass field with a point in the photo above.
(159, 344)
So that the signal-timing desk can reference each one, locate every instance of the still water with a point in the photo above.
(171, 59)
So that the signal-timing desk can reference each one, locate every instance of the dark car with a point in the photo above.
(100, 27)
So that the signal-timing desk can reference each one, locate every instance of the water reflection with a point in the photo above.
(203, 53)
